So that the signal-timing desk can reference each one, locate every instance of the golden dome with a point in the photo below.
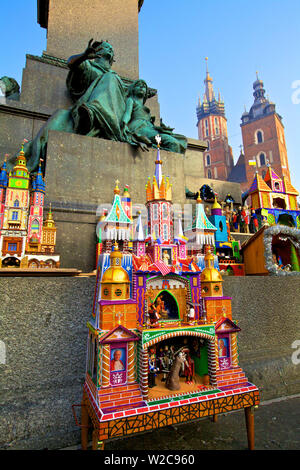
(211, 275)
(115, 275)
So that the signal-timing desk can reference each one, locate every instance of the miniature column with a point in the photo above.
(131, 363)
(144, 366)
(105, 365)
(217, 353)
(234, 352)
(212, 363)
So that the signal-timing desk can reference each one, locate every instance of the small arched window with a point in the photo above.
(16, 203)
(208, 145)
(206, 128)
(35, 225)
(207, 160)
(216, 126)
(259, 137)
(209, 174)
(262, 159)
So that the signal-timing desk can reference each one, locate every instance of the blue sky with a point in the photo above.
(239, 37)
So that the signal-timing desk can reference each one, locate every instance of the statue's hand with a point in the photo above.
(125, 129)
(92, 49)
(143, 146)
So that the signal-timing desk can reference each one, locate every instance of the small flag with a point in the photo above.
(163, 268)
(183, 238)
(252, 162)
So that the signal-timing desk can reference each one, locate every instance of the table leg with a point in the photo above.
(97, 445)
(249, 415)
(84, 427)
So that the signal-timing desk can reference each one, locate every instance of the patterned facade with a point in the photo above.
(26, 240)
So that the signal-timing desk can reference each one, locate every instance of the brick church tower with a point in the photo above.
(263, 138)
(212, 128)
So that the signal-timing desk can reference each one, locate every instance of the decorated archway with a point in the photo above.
(169, 305)
(176, 290)
(287, 220)
(150, 340)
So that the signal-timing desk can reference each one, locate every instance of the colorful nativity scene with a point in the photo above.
(162, 343)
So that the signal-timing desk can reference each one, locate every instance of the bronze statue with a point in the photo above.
(10, 88)
(137, 121)
(102, 108)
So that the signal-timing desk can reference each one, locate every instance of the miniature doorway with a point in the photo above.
(286, 219)
(191, 376)
(167, 306)
(11, 262)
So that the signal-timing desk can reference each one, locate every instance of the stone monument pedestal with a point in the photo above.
(80, 175)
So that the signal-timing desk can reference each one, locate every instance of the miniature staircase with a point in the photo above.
(231, 377)
(120, 398)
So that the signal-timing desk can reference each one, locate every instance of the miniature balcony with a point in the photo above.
(14, 224)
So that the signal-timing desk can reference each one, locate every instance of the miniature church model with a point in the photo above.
(162, 344)
(274, 200)
(26, 241)
(275, 247)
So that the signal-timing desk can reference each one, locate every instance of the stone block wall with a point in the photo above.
(45, 341)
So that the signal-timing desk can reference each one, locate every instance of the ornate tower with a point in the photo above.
(263, 137)
(49, 234)
(211, 279)
(212, 128)
(116, 225)
(201, 232)
(115, 281)
(159, 205)
(35, 219)
(14, 230)
(139, 246)
(3, 186)
(216, 305)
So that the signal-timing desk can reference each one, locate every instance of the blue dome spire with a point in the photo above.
(38, 183)
(3, 176)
